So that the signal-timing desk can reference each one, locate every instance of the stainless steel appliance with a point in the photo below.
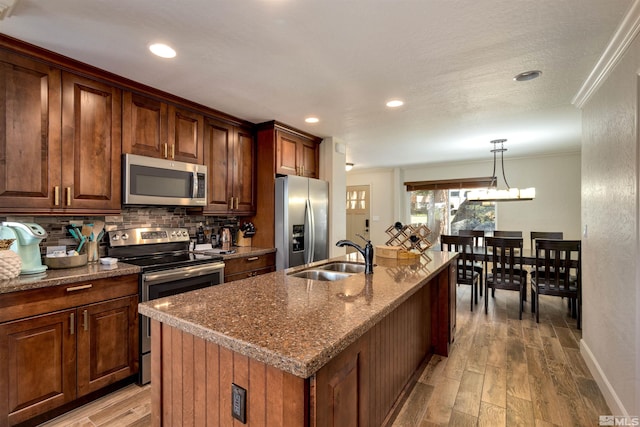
(28, 237)
(151, 181)
(302, 221)
(168, 268)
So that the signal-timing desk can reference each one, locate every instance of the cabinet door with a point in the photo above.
(185, 135)
(218, 149)
(30, 134)
(286, 160)
(107, 343)
(308, 154)
(91, 131)
(244, 173)
(144, 126)
(37, 365)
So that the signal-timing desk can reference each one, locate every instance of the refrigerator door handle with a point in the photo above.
(312, 236)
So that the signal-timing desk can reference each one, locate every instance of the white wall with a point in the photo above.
(332, 160)
(556, 207)
(611, 330)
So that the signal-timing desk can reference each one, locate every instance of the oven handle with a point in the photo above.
(182, 273)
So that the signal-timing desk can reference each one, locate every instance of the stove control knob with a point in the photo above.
(115, 237)
(184, 233)
(173, 234)
(125, 236)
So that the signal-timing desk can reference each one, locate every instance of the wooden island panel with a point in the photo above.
(195, 378)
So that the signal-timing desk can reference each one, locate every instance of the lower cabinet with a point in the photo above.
(51, 359)
(249, 266)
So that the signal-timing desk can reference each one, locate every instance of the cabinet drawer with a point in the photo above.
(33, 302)
(247, 274)
(255, 262)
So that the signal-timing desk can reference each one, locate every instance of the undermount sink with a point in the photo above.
(346, 267)
(324, 275)
(331, 271)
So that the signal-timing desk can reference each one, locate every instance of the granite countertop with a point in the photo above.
(65, 276)
(294, 324)
(244, 251)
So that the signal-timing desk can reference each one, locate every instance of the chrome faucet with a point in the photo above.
(367, 252)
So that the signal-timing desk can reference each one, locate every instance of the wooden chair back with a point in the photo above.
(478, 236)
(507, 256)
(557, 235)
(464, 246)
(500, 233)
(557, 267)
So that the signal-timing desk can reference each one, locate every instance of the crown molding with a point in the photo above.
(618, 45)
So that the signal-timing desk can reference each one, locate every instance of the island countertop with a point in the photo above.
(294, 324)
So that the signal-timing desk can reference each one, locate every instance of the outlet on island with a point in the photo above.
(239, 403)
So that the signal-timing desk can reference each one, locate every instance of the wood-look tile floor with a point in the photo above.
(501, 372)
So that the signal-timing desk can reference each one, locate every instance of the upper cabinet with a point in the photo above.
(296, 154)
(229, 152)
(159, 129)
(59, 140)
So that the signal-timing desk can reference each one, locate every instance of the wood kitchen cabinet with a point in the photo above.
(249, 266)
(159, 129)
(64, 342)
(281, 150)
(296, 155)
(230, 153)
(60, 142)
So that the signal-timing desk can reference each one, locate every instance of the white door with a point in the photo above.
(357, 214)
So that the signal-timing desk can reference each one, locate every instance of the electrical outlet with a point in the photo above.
(239, 403)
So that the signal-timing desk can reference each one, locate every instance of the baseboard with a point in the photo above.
(616, 406)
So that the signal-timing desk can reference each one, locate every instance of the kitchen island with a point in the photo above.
(307, 352)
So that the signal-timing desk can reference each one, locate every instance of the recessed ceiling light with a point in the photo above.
(527, 75)
(162, 50)
(312, 120)
(395, 103)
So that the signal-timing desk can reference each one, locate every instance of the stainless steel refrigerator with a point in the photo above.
(302, 221)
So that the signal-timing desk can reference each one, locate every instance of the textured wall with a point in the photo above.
(610, 211)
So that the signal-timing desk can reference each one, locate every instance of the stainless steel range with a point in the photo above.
(168, 268)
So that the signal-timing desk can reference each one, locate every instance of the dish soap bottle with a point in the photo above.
(200, 239)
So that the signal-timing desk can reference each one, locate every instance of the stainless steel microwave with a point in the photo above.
(151, 181)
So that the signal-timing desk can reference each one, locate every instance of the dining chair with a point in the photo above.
(465, 274)
(506, 253)
(478, 243)
(557, 235)
(545, 235)
(557, 273)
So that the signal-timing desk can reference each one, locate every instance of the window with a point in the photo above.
(443, 207)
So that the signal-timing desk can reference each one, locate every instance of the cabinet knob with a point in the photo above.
(236, 203)
(173, 151)
(253, 258)
(72, 323)
(68, 194)
(85, 320)
(165, 150)
(56, 195)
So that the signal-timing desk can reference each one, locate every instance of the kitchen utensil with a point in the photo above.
(98, 227)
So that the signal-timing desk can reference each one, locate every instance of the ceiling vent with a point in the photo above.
(6, 7)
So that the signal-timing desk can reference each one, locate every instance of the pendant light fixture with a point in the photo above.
(493, 194)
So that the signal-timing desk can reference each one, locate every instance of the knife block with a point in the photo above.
(243, 241)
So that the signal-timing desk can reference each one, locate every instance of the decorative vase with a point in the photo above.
(10, 262)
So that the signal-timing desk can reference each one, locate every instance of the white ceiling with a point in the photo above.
(451, 61)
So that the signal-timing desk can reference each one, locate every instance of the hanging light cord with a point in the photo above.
(494, 178)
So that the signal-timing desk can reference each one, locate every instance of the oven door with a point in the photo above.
(158, 284)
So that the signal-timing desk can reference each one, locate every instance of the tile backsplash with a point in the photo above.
(131, 217)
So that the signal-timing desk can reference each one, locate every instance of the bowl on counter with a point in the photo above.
(69, 261)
